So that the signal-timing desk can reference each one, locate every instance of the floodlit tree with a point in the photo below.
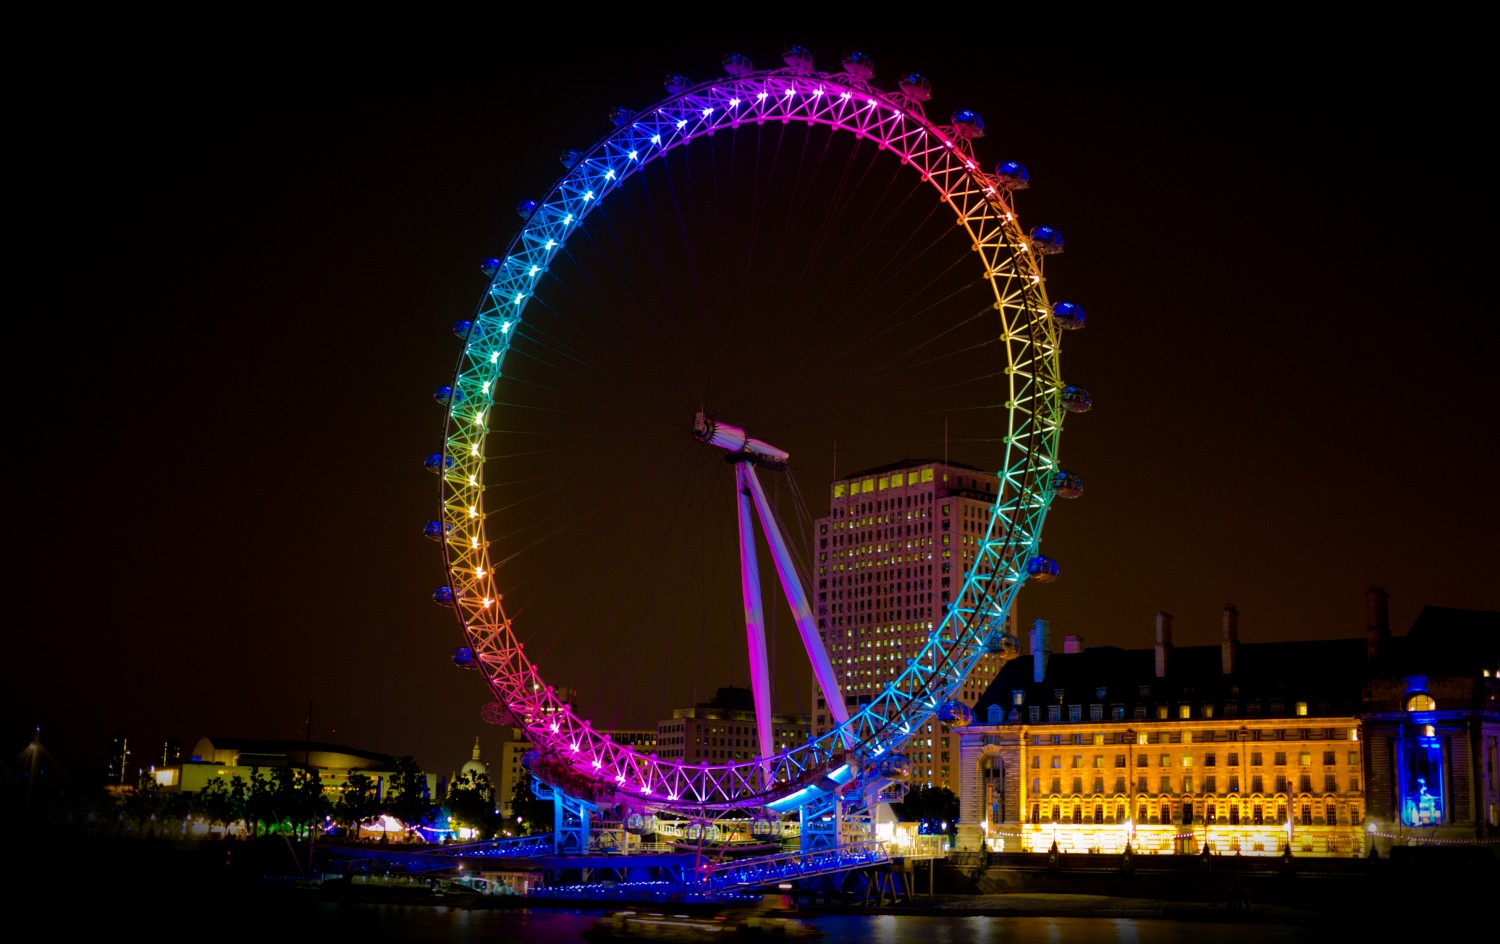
(529, 814)
(471, 803)
(409, 799)
(222, 801)
(358, 804)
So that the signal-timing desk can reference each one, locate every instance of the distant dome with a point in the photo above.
(474, 765)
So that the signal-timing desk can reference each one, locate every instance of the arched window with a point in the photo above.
(1420, 701)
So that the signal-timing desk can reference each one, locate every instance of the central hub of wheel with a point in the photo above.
(739, 445)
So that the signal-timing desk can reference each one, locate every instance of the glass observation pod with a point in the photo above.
(798, 57)
(738, 64)
(895, 767)
(489, 267)
(1012, 176)
(446, 395)
(525, 208)
(1048, 241)
(569, 159)
(998, 643)
(463, 657)
(637, 824)
(1042, 569)
(968, 124)
(461, 329)
(676, 84)
(1068, 316)
(437, 530)
(1076, 399)
(444, 596)
(916, 87)
(620, 116)
(437, 462)
(859, 65)
(955, 714)
(1067, 484)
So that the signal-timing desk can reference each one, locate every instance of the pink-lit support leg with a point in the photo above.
(755, 626)
(796, 597)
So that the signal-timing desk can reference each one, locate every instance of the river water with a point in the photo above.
(376, 923)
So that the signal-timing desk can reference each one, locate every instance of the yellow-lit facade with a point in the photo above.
(1171, 785)
(1248, 750)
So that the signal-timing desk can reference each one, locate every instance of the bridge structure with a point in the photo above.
(582, 858)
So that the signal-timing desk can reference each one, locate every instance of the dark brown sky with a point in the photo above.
(240, 268)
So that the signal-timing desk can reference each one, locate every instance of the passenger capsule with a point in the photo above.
(1042, 569)
(859, 65)
(443, 596)
(525, 208)
(461, 329)
(798, 58)
(955, 714)
(447, 395)
(437, 462)
(677, 84)
(1076, 399)
(1012, 176)
(1046, 240)
(637, 824)
(569, 159)
(463, 657)
(967, 124)
(620, 116)
(437, 530)
(894, 767)
(738, 64)
(915, 86)
(489, 267)
(529, 760)
(998, 643)
(1067, 484)
(1068, 316)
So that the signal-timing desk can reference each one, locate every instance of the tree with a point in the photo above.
(309, 806)
(409, 799)
(222, 801)
(358, 804)
(531, 815)
(471, 802)
(931, 807)
(148, 807)
(260, 802)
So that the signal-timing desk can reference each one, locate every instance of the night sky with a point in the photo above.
(239, 271)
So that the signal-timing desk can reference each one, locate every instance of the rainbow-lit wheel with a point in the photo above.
(524, 323)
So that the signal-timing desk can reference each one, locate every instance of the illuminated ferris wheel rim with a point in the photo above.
(571, 750)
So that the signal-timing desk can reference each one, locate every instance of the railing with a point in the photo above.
(540, 844)
(765, 870)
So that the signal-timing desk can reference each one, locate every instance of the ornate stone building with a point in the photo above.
(1239, 748)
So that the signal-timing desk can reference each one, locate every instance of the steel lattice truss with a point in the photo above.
(1007, 259)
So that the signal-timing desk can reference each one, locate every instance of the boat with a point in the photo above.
(772, 918)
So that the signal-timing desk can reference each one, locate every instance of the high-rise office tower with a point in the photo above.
(891, 554)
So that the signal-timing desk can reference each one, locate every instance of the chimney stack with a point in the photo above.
(1039, 651)
(1377, 622)
(1072, 643)
(1230, 643)
(1163, 642)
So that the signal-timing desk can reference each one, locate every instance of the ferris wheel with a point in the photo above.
(568, 250)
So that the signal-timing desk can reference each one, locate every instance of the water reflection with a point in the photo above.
(376, 923)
